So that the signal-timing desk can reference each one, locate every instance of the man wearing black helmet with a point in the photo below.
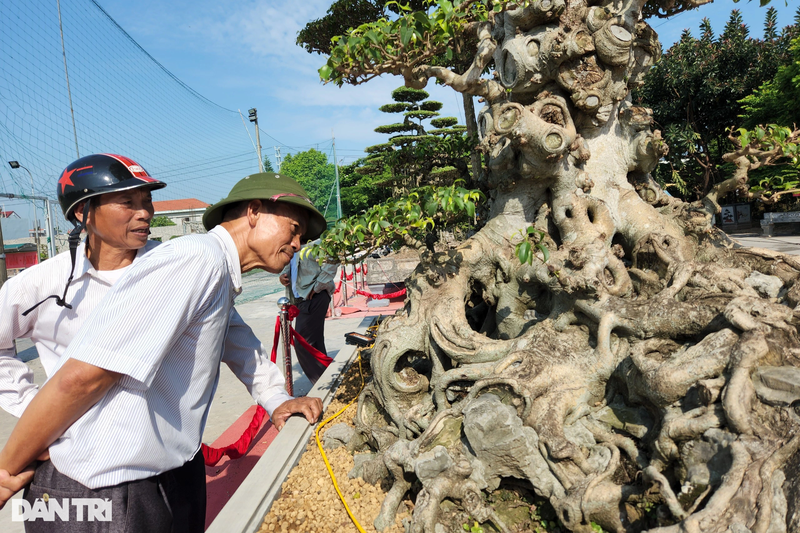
(109, 196)
(132, 391)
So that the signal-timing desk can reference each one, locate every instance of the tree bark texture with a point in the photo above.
(644, 376)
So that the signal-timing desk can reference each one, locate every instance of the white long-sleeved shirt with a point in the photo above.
(52, 328)
(163, 325)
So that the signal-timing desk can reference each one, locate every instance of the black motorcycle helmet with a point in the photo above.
(86, 178)
(98, 174)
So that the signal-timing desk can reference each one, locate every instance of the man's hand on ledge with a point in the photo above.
(310, 408)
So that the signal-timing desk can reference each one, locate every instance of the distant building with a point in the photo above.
(19, 257)
(8, 214)
(180, 211)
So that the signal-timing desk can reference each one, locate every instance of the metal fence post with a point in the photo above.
(344, 283)
(283, 302)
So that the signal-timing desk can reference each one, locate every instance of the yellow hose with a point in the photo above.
(325, 457)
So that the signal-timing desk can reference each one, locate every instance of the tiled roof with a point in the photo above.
(179, 205)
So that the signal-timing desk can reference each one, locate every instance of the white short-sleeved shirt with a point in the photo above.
(163, 326)
(50, 326)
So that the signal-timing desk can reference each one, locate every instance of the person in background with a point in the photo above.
(124, 412)
(310, 287)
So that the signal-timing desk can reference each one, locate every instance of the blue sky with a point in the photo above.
(242, 53)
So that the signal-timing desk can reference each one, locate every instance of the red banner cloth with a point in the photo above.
(212, 456)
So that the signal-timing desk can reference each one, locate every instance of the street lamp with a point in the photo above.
(252, 114)
(15, 165)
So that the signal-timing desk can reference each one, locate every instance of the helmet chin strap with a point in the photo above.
(74, 241)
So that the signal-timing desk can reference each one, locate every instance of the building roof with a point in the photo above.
(8, 214)
(179, 205)
(21, 247)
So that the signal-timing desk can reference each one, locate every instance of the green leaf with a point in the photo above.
(524, 252)
(422, 20)
(372, 36)
(325, 72)
(405, 34)
(544, 250)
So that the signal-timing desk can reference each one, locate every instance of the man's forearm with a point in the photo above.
(75, 388)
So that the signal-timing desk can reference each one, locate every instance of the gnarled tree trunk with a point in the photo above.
(645, 375)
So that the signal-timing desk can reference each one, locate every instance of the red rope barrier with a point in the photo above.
(273, 356)
(211, 456)
(319, 356)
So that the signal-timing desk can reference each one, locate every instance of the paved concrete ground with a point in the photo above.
(231, 398)
(787, 244)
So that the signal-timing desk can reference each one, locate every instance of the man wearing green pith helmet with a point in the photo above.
(130, 398)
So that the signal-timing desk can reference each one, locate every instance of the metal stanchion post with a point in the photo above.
(283, 302)
(344, 284)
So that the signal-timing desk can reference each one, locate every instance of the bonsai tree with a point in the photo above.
(598, 343)
(414, 156)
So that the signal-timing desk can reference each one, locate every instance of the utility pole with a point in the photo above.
(336, 171)
(253, 115)
(278, 158)
(51, 238)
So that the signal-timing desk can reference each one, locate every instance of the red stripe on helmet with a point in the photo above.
(135, 168)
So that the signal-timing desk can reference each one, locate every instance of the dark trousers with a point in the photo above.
(172, 502)
(310, 324)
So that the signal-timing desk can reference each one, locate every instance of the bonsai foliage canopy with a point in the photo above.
(598, 344)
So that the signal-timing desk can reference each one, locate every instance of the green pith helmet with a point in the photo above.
(268, 186)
